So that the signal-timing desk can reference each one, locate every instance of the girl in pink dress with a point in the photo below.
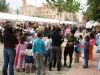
(22, 46)
(16, 58)
(17, 32)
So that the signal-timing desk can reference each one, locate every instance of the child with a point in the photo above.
(39, 50)
(92, 43)
(77, 51)
(86, 51)
(29, 58)
(81, 41)
(21, 48)
(48, 43)
(17, 33)
(16, 58)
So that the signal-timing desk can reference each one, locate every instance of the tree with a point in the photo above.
(57, 5)
(93, 10)
(3, 6)
(71, 6)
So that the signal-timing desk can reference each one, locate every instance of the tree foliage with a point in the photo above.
(64, 5)
(3, 6)
(56, 4)
(93, 11)
(71, 6)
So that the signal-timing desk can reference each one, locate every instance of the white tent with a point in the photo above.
(89, 24)
(33, 19)
(8, 16)
(68, 22)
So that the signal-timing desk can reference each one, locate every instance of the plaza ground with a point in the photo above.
(75, 70)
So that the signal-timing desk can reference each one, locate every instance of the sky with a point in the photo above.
(14, 4)
(17, 3)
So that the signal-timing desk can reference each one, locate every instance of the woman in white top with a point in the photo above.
(48, 46)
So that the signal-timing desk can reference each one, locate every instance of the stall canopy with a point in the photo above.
(14, 17)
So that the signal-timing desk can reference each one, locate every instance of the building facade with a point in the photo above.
(28, 10)
(11, 11)
(45, 12)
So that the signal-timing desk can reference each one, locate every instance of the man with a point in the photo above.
(55, 52)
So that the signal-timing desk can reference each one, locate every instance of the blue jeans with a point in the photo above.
(9, 55)
(86, 54)
(47, 56)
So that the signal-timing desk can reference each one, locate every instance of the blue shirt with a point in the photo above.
(39, 46)
(98, 40)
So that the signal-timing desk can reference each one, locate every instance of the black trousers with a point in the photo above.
(68, 51)
(55, 57)
(1, 38)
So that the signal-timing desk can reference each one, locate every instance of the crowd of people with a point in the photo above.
(29, 48)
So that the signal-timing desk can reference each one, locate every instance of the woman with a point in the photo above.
(92, 43)
(86, 51)
(69, 49)
(10, 40)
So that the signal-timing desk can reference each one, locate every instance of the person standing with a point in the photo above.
(22, 46)
(39, 51)
(56, 52)
(17, 33)
(77, 50)
(29, 59)
(92, 43)
(69, 49)
(10, 40)
(86, 51)
(48, 43)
